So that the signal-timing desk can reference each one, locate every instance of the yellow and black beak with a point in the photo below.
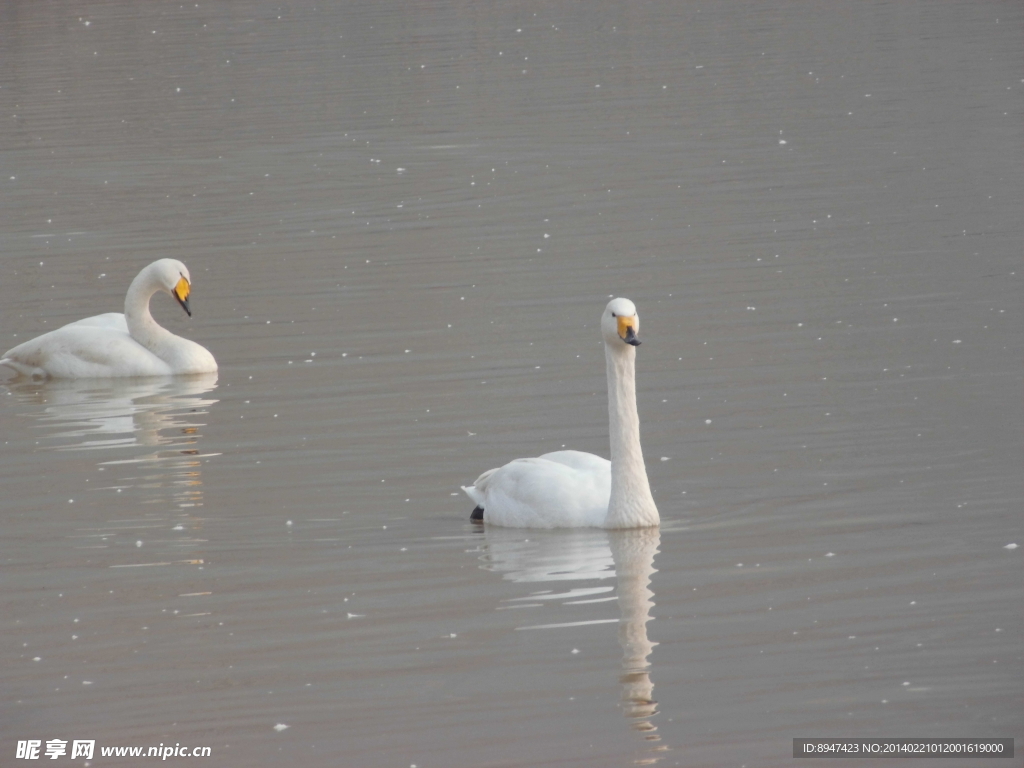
(627, 330)
(181, 292)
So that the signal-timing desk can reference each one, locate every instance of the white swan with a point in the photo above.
(116, 345)
(572, 489)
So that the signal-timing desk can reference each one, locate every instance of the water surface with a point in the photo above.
(403, 222)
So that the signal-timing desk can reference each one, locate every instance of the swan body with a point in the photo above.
(572, 489)
(113, 345)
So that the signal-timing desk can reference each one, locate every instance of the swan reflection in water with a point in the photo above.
(618, 566)
(121, 416)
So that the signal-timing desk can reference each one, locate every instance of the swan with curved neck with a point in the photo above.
(115, 345)
(572, 489)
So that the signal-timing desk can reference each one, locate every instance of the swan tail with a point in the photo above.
(22, 369)
(478, 490)
(475, 494)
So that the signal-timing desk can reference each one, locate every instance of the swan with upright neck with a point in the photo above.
(115, 345)
(572, 489)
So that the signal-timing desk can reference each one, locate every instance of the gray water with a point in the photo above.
(403, 221)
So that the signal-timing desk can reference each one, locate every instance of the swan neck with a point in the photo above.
(141, 325)
(631, 504)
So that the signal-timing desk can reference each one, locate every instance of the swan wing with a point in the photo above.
(90, 348)
(584, 462)
(112, 320)
(544, 493)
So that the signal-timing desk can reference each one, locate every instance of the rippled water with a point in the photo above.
(402, 223)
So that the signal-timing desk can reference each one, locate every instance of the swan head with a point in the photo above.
(620, 323)
(172, 276)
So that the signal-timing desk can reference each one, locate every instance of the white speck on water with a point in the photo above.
(289, 523)
(138, 543)
(665, 458)
(1010, 546)
(575, 650)
(281, 727)
(830, 554)
(707, 421)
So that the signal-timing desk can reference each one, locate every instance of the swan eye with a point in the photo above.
(614, 315)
